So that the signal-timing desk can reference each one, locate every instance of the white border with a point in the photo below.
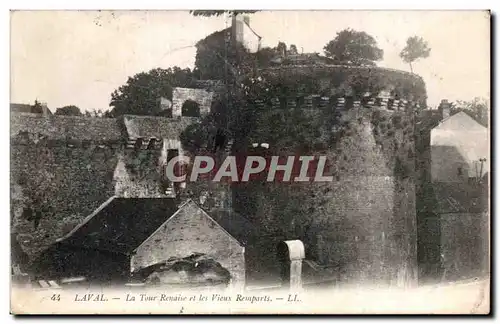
(145, 4)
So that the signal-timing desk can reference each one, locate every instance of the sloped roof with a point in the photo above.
(238, 226)
(98, 129)
(470, 142)
(460, 121)
(251, 29)
(114, 226)
(27, 108)
(157, 127)
(453, 197)
(65, 127)
(121, 224)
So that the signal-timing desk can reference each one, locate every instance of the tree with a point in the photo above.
(354, 47)
(68, 111)
(37, 107)
(478, 108)
(416, 48)
(98, 113)
(293, 50)
(142, 92)
(281, 49)
(265, 56)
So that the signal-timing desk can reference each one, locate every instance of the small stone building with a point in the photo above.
(127, 234)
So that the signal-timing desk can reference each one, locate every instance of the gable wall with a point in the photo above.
(451, 149)
(187, 232)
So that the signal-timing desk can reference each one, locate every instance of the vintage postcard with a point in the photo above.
(250, 162)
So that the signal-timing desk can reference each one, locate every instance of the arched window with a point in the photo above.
(191, 108)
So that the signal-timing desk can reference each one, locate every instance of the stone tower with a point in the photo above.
(363, 223)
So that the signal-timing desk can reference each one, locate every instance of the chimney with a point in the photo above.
(444, 107)
(237, 29)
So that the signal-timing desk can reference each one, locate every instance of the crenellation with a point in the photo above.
(370, 102)
(259, 103)
(390, 104)
(396, 105)
(308, 102)
(341, 103)
(317, 101)
(324, 102)
(275, 103)
(383, 102)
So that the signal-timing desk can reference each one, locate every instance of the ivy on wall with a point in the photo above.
(247, 110)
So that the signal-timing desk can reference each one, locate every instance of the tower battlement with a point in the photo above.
(317, 101)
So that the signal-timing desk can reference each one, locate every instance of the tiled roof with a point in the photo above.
(27, 108)
(65, 127)
(98, 129)
(156, 127)
(114, 226)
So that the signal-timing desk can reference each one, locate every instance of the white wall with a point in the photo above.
(458, 143)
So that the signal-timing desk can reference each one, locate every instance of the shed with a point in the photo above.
(125, 235)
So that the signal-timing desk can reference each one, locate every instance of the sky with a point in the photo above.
(80, 57)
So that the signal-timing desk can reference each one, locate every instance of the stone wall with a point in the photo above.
(63, 168)
(188, 232)
(464, 245)
(363, 224)
(63, 184)
(200, 96)
(138, 174)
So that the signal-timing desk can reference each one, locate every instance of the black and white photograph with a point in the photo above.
(250, 162)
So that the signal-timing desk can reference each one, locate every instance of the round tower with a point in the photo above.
(363, 223)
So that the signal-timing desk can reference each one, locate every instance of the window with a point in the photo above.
(460, 171)
(190, 108)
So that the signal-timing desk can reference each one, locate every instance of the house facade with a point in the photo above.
(244, 34)
(459, 149)
(126, 235)
(453, 196)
